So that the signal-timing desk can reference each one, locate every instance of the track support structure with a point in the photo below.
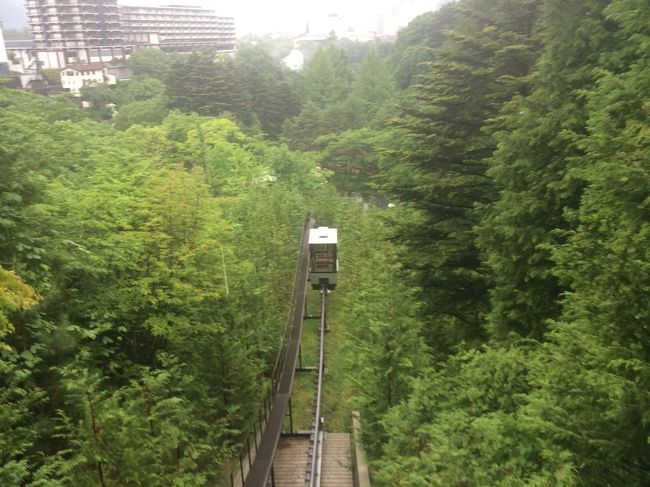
(318, 433)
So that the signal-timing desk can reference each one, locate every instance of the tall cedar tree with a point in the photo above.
(373, 87)
(593, 396)
(207, 85)
(326, 86)
(483, 63)
(537, 141)
(416, 44)
(272, 96)
(327, 77)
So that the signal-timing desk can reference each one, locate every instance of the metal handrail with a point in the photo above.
(264, 410)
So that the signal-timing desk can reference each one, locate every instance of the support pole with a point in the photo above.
(290, 416)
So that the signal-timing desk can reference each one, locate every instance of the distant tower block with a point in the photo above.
(380, 24)
(4, 60)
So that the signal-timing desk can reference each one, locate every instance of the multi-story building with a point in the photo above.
(67, 31)
(87, 31)
(4, 60)
(177, 28)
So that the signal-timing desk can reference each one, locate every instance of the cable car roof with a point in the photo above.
(322, 235)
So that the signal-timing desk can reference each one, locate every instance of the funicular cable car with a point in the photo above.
(323, 263)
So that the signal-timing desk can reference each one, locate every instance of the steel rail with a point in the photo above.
(315, 471)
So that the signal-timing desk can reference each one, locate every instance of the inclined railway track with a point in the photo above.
(316, 458)
(299, 457)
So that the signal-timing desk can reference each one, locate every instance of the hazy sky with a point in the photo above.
(270, 16)
(290, 16)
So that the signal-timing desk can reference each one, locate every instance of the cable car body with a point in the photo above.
(323, 262)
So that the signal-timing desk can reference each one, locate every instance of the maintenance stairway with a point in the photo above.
(337, 462)
(292, 457)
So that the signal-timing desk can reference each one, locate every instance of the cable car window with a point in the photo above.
(323, 258)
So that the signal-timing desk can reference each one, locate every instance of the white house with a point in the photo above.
(295, 60)
(4, 60)
(75, 76)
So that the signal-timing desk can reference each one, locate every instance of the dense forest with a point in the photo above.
(495, 315)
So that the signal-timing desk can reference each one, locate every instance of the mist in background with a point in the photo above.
(290, 17)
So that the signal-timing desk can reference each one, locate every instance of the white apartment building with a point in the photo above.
(177, 28)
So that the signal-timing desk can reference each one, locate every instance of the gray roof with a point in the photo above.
(85, 67)
(19, 43)
(322, 235)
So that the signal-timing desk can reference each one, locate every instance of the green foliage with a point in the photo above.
(218, 146)
(207, 85)
(273, 97)
(146, 113)
(566, 238)
(493, 325)
(387, 346)
(297, 170)
(18, 434)
(440, 169)
(327, 77)
(14, 296)
(153, 363)
(593, 395)
(532, 170)
(330, 108)
(53, 78)
(373, 86)
(302, 132)
(144, 433)
(334, 104)
(140, 88)
(100, 97)
(415, 44)
(463, 425)
(104, 99)
(590, 403)
(21, 103)
(152, 63)
(353, 157)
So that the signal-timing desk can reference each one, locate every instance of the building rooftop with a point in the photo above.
(19, 43)
(85, 67)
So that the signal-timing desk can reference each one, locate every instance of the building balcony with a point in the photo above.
(71, 19)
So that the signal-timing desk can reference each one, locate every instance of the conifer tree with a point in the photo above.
(593, 394)
(273, 98)
(373, 86)
(536, 138)
(327, 77)
(416, 43)
(441, 170)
